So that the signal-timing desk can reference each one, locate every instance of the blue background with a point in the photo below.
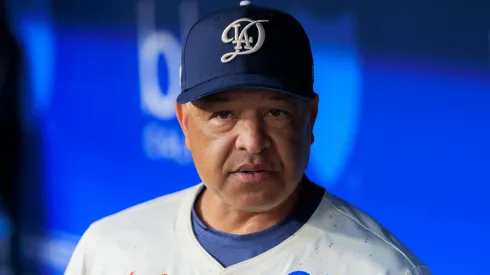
(402, 131)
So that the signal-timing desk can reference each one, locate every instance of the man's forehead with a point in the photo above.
(240, 95)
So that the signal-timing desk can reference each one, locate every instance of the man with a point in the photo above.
(247, 110)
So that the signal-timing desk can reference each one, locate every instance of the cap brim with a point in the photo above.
(240, 81)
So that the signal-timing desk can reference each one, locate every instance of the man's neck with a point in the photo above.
(220, 216)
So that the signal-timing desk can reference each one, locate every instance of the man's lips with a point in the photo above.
(252, 168)
(252, 177)
(252, 173)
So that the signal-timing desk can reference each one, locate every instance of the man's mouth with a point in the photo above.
(253, 168)
(251, 171)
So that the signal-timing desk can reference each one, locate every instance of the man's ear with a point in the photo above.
(313, 114)
(182, 113)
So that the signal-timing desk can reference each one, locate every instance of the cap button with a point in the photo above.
(245, 3)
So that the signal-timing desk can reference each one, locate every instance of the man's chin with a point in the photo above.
(256, 202)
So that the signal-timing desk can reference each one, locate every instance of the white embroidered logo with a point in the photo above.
(242, 37)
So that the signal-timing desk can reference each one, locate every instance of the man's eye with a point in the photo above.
(222, 115)
(276, 112)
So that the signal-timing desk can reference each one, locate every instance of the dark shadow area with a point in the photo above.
(447, 31)
(20, 156)
(10, 129)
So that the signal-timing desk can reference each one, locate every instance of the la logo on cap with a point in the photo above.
(242, 37)
(244, 43)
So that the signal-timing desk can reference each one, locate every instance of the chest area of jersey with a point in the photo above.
(305, 261)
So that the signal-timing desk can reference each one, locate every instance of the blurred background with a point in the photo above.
(87, 125)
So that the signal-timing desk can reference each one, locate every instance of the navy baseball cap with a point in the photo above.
(246, 47)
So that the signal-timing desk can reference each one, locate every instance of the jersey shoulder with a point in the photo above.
(358, 232)
(149, 214)
(163, 207)
(130, 236)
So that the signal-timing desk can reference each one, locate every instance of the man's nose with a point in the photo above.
(252, 136)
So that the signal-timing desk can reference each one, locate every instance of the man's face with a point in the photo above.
(250, 147)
